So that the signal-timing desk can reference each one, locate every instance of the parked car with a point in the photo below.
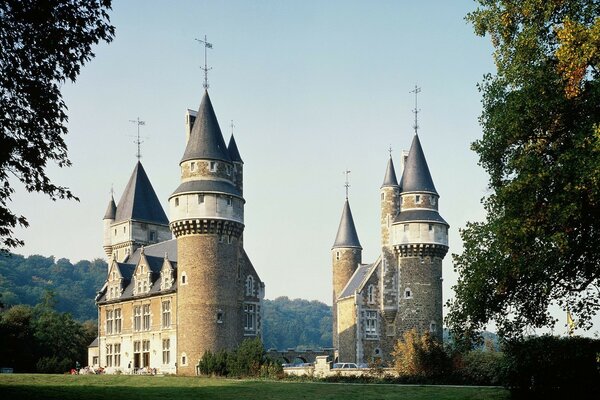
(345, 366)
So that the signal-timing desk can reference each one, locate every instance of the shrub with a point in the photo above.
(544, 365)
(481, 368)
(420, 356)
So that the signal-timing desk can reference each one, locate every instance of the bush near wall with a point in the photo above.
(545, 366)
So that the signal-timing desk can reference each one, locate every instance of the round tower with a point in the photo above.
(390, 206)
(207, 218)
(109, 218)
(346, 255)
(420, 241)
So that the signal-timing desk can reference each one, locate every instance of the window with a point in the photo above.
(430, 227)
(371, 294)
(117, 355)
(176, 201)
(183, 279)
(250, 317)
(109, 322)
(115, 231)
(249, 286)
(124, 229)
(407, 293)
(111, 295)
(219, 317)
(146, 317)
(432, 200)
(152, 236)
(337, 255)
(228, 169)
(137, 353)
(183, 359)
(192, 166)
(371, 323)
(213, 166)
(145, 353)
(118, 321)
(166, 279)
(405, 227)
(166, 314)
(432, 327)
(417, 198)
(137, 318)
(382, 196)
(229, 200)
(109, 355)
(200, 199)
(166, 351)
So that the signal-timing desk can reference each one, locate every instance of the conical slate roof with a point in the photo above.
(416, 176)
(139, 200)
(206, 140)
(234, 153)
(346, 235)
(390, 175)
(111, 210)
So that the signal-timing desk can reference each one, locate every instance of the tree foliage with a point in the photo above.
(43, 43)
(540, 242)
(420, 355)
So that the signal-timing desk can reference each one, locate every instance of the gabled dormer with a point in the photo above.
(114, 282)
(142, 276)
(167, 274)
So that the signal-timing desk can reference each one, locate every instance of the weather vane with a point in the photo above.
(205, 69)
(138, 141)
(347, 184)
(416, 91)
(390, 151)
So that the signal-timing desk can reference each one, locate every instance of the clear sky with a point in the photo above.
(313, 88)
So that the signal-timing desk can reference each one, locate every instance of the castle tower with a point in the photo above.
(346, 256)
(420, 241)
(207, 218)
(138, 219)
(390, 207)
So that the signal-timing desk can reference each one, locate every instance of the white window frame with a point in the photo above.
(146, 317)
(249, 318)
(166, 313)
(371, 318)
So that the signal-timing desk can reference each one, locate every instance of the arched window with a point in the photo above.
(371, 294)
(249, 286)
(408, 293)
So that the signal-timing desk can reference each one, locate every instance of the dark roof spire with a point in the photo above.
(111, 210)
(139, 201)
(416, 176)
(346, 235)
(390, 174)
(234, 153)
(206, 140)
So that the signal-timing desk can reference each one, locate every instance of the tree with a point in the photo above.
(540, 242)
(43, 43)
(420, 355)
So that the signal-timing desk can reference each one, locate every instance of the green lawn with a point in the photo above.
(113, 387)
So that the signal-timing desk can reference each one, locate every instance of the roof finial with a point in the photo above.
(390, 151)
(232, 126)
(138, 141)
(205, 69)
(416, 91)
(347, 183)
(112, 190)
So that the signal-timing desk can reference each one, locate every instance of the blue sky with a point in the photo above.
(313, 87)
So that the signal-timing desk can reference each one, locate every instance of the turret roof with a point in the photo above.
(420, 215)
(234, 153)
(139, 201)
(346, 235)
(111, 210)
(206, 140)
(390, 175)
(416, 176)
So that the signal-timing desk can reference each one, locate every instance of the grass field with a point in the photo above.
(114, 387)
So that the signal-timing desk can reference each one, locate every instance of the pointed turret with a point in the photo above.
(416, 176)
(109, 218)
(111, 210)
(346, 235)
(206, 140)
(234, 153)
(139, 201)
(390, 175)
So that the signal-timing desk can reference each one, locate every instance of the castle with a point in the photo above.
(166, 301)
(374, 304)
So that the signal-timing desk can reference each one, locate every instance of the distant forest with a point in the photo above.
(288, 323)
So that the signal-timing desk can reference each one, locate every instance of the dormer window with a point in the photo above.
(213, 166)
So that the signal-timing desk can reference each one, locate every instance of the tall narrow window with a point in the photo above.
(109, 355)
(249, 286)
(137, 354)
(137, 318)
(371, 294)
(250, 320)
(117, 355)
(146, 310)
(200, 199)
(430, 227)
(176, 201)
(371, 323)
(145, 353)
(166, 314)
(166, 351)
(229, 200)
(417, 198)
(109, 322)
(213, 166)
(192, 166)
(118, 321)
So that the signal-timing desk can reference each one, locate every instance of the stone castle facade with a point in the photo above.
(374, 304)
(168, 300)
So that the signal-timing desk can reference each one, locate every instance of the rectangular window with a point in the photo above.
(177, 202)
(152, 236)
(250, 320)
(417, 198)
(118, 321)
(229, 200)
(405, 227)
(213, 166)
(200, 199)
(430, 227)
(117, 355)
(371, 323)
(166, 351)
(146, 317)
(137, 352)
(145, 353)
(166, 314)
(109, 322)
(193, 166)
(109, 355)
(137, 318)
